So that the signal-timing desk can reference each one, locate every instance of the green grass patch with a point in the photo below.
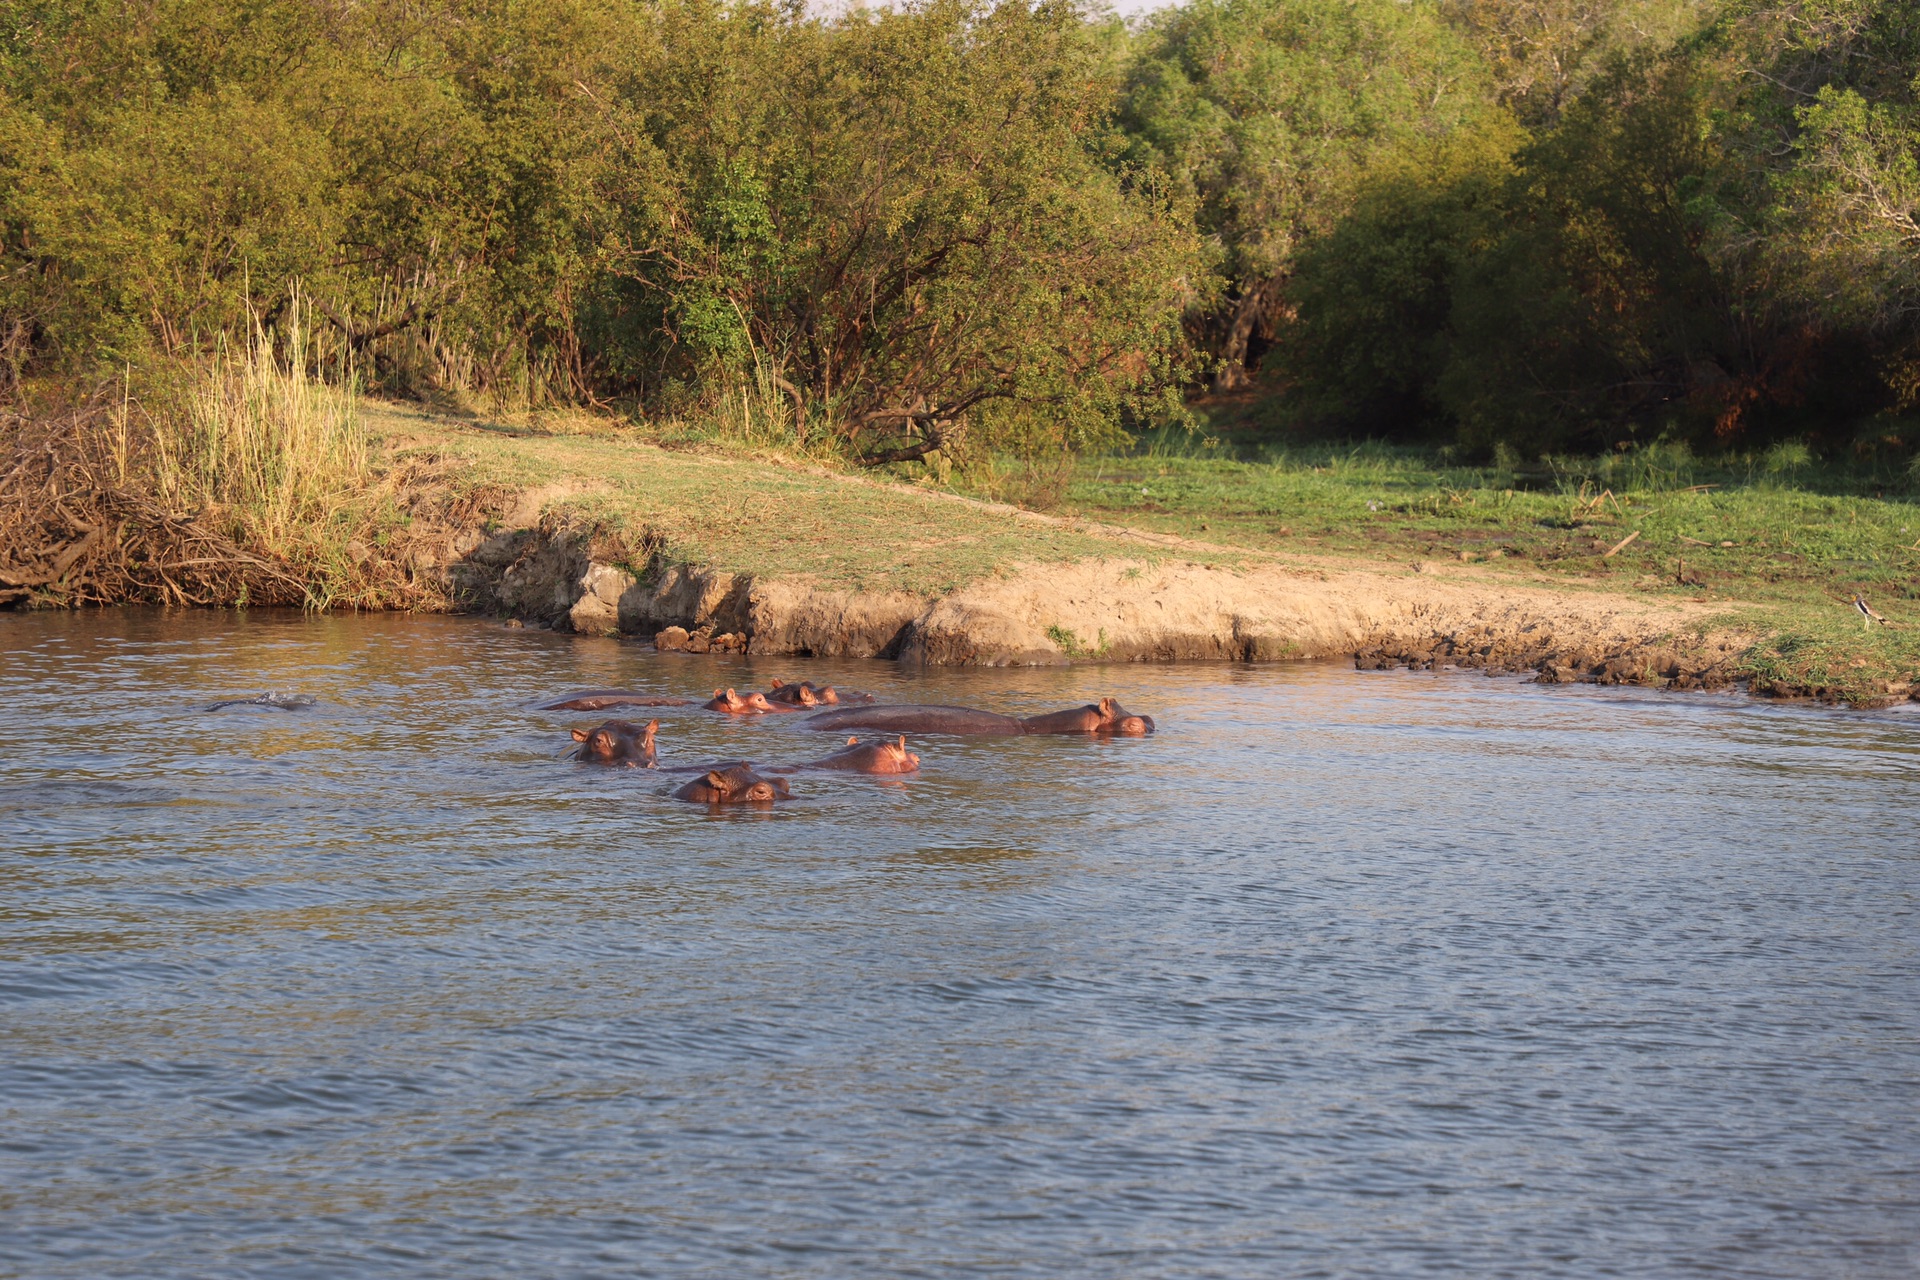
(1785, 542)
(1070, 643)
(765, 513)
(1781, 543)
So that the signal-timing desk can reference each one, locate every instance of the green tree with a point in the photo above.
(169, 170)
(1374, 296)
(1543, 53)
(915, 219)
(1711, 238)
(1272, 112)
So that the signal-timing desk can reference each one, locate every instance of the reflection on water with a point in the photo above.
(1340, 973)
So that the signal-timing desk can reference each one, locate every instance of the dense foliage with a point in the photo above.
(1273, 111)
(1710, 238)
(1540, 224)
(910, 223)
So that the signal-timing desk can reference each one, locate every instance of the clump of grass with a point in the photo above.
(754, 411)
(240, 477)
(1830, 653)
(1070, 645)
(260, 442)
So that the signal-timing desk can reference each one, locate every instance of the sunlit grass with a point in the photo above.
(1783, 540)
(258, 444)
(1753, 535)
(257, 436)
(762, 511)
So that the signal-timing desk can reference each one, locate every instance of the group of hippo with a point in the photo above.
(624, 743)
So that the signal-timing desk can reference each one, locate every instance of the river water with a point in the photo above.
(1340, 974)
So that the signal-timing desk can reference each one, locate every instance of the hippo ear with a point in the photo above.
(902, 743)
(579, 735)
(1107, 708)
(778, 683)
(853, 742)
(653, 727)
(716, 780)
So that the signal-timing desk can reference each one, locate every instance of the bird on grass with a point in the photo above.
(1866, 612)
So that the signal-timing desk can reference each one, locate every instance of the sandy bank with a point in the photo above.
(1113, 608)
(591, 529)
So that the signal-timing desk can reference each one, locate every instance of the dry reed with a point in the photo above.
(241, 479)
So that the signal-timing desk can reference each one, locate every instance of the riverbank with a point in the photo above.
(578, 522)
(600, 529)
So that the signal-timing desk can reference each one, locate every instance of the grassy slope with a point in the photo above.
(1786, 561)
(1796, 556)
(767, 515)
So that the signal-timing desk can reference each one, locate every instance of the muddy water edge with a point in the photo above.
(1341, 972)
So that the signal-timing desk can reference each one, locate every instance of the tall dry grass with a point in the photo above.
(255, 437)
(754, 411)
(243, 477)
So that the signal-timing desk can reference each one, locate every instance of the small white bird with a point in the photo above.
(1866, 611)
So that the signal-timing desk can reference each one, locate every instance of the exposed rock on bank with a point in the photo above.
(1423, 616)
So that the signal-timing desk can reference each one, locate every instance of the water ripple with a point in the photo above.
(1341, 974)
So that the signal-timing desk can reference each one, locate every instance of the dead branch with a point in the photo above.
(73, 533)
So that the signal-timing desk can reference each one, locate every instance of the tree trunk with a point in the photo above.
(1232, 373)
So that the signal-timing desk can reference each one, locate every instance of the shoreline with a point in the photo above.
(1421, 616)
(590, 529)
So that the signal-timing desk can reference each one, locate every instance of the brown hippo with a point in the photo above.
(727, 702)
(620, 742)
(601, 699)
(915, 718)
(1106, 717)
(883, 756)
(738, 784)
(806, 694)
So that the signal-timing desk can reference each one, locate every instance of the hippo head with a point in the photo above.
(805, 694)
(735, 704)
(765, 791)
(892, 757)
(618, 742)
(738, 784)
(1116, 719)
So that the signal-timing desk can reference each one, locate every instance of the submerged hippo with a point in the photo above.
(884, 756)
(275, 701)
(1104, 717)
(915, 718)
(807, 694)
(737, 784)
(601, 699)
(618, 742)
(727, 702)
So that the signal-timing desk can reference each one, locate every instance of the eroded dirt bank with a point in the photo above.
(1117, 608)
(591, 530)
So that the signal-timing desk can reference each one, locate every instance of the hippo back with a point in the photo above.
(914, 718)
